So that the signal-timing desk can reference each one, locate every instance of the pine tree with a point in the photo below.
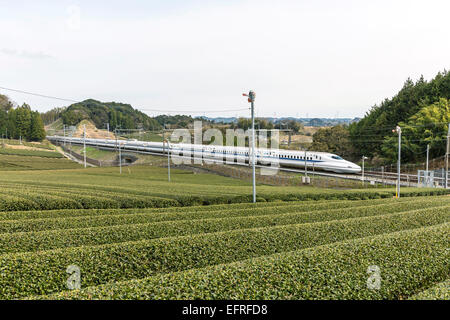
(23, 121)
(37, 131)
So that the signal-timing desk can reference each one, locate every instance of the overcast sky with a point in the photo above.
(318, 58)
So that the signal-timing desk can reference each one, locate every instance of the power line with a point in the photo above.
(39, 95)
(223, 109)
(372, 129)
(416, 140)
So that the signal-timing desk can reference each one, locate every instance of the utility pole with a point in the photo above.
(64, 128)
(364, 158)
(251, 98)
(84, 144)
(120, 159)
(314, 172)
(447, 154)
(168, 160)
(70, 142)
(306, 166)
(428, 156)
(164, 138)
(399, 131)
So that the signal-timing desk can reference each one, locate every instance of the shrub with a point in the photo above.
(408, 261)
(44, 272)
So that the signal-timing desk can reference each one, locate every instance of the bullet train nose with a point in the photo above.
(353, 168)
(356, 168)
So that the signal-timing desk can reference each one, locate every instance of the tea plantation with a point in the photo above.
(137, 236)
(145, 187)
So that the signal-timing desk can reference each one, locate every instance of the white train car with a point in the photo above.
(285, 158)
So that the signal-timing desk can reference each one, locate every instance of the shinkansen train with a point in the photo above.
(284, 158)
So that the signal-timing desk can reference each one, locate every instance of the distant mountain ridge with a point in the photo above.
(124, 116)
(312, 122)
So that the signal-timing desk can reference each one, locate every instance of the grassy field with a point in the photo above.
(14, 162)
(143, 187)
(30, 153)
(138, 236)
(41, 145)
(94, 153)
(270, 250)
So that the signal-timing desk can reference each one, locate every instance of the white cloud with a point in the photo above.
(26, 54)
(319, 57)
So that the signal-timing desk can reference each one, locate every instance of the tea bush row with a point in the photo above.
(408, 261)
(43, 272)
(306, 214)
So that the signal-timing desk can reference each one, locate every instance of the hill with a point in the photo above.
(117, 115)
(420, 108)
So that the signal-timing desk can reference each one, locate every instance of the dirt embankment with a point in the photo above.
(22, 147)
(92, 131)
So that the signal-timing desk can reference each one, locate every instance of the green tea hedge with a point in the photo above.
(408, 261)
(46, 240)
(44, 272)
(313, 213)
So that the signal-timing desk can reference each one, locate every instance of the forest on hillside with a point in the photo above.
(20, 122)
(420, 108)
(117, 115)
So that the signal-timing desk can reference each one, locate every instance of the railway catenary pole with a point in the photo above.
(306, 166)
(115, 136)
(447, 154)
(251, 98)
(70, 142)
(363, 181)
(84, 144)
(399, 131)
(168, 161)
(120, 159)
(164, 138)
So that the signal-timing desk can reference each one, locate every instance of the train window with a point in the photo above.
(337, 157)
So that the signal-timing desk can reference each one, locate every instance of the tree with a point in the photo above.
(368, 134)
(428, 126)
(22, 122)
(334, 140)
(5, 103)
(37, 131)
